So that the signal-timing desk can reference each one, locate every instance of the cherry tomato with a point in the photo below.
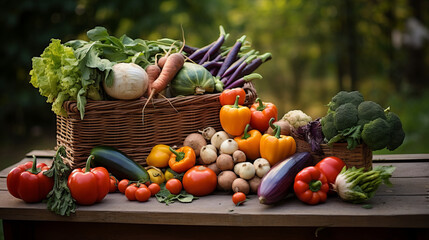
(238, 198)
(130, 192)
(174, 186)
(199, 181)
(142, 194)
(122, 185)
(154, 188)
(113, 184)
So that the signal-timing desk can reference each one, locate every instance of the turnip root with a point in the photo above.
(262, 166)
(241, 185)
(224, 162)
(285, 128)
(247, 171)
(238, 156)
(208, 133)
(214, 167)
(254, 184)
(208, 155)
(225, 179)
(130, 81)
(228, 146)
(218, 138)
(196, 141)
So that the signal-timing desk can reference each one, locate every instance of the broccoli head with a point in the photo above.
(369, 110)
(397, 134)
(376, 134)
(328, 127)
(354, 97)
(345, 116)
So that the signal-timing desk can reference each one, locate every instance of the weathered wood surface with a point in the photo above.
(405, 205)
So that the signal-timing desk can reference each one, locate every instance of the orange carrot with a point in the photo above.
(162, 60)
(153, 72)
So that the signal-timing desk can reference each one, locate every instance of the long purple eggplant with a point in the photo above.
(216, 47)
(238, 71)
(276, 184)
(237, 63)
(240, 82)
(252, 66)
(198, 54)
(232, 55)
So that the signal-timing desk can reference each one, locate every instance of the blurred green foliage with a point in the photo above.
(319, 48)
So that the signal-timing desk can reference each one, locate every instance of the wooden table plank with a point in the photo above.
(218, 210)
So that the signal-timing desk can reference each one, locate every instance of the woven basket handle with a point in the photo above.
(251, 94)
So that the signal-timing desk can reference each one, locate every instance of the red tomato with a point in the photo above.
(238, 198)
(113, 184)
(199, 181)
(174, 186)
(130, 192)
(330, 167)
(142, 194)
(122, 185)
(154, 188)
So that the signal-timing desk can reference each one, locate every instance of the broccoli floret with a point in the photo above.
(354, 97)
(328, 127)
(346, 116)
(397, 134)
(369, 110)
(376, 134)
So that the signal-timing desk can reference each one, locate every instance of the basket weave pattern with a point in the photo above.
(119, 124)
(359, 157)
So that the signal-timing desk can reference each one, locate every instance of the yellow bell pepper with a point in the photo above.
(159, 156)
(234, 118)
(155, 175)
(277, 147)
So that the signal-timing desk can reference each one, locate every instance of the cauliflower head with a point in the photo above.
(297, 118)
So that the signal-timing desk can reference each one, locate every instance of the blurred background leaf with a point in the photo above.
(319, 48)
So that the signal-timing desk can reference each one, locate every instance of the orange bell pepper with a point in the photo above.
(182, 159)
(234, 118)
(277, 147)
(249, 142)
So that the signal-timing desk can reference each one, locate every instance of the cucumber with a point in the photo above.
(275, 185)
(118, 164)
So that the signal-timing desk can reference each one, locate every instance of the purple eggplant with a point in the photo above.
(238, 71)
(198, 54)
(276, 184)
(237, 63)
(189, 50)
(215, 48)
(240, 82)
(251, 67)
(232, 55)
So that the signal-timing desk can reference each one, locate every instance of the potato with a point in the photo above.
(225, 179)
(224, 162)
(196, 141)
(241, 185)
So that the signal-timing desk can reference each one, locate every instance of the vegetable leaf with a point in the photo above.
(164, 196)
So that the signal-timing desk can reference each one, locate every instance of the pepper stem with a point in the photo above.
(315, 185)
(88, 163)
(261, 106)
(246, 134)
(34, 167)
(236, 102)
(179, 155)
(276, 128)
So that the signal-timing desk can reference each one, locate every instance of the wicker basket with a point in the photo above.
(119, 124)
(359, 157)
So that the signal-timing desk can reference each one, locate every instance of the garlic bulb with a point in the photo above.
(130, 81)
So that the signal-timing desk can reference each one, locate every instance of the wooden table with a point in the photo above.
(398, 212)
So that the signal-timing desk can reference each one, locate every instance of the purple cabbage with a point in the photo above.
(312, 133)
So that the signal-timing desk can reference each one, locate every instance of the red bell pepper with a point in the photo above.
(330, 167)
(228, 96)
(28, 182)
(311, 186)
(262, 112)
(89, 185)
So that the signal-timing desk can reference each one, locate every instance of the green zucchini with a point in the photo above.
(118, 164)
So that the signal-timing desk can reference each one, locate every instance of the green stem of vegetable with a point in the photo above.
(88, 163)
(261, 106)
(266, 56)
(315, 185)
(275, 128)
(236, 102)
(179, 155)
(246, 134)
(34, 169)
